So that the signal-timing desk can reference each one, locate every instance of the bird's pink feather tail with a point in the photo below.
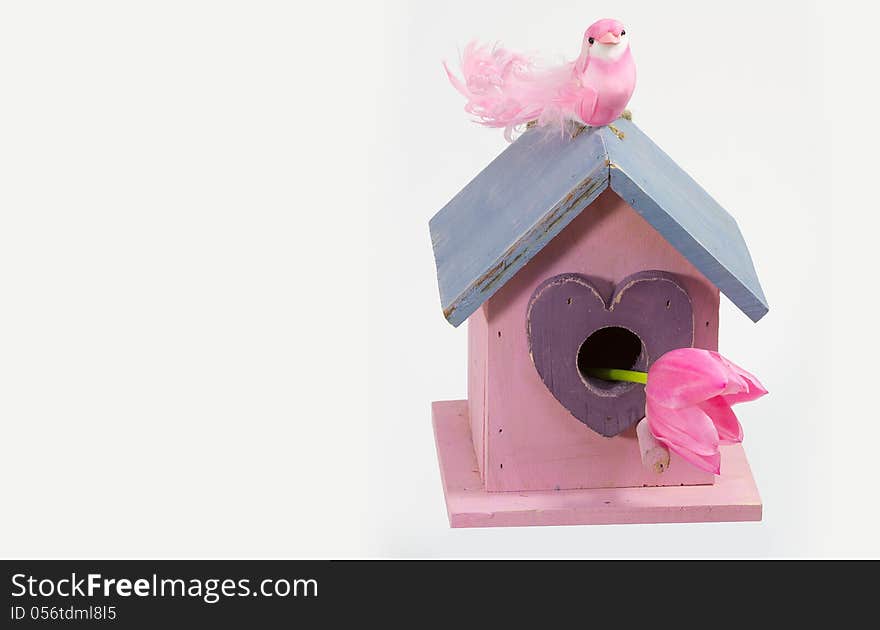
(507, 89)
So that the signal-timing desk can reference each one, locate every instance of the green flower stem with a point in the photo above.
(613, 374)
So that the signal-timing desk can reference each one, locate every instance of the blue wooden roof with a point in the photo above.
(534, 189)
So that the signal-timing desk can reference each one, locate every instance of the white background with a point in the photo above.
(219, 325)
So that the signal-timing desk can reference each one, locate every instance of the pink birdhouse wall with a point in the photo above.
(524, 438)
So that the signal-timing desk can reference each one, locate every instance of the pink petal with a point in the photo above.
(685, 377)
(753, 389)
(726, 423)
(689, 429)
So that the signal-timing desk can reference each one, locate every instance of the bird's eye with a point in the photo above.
(591, 40)
(623, 32)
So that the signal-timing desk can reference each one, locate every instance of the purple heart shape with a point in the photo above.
(573, 325)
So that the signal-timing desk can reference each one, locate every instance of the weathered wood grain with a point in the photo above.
(541, 182)
(509, 212)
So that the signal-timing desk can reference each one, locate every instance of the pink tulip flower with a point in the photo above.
(689, 396)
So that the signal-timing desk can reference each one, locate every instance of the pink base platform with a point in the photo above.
(733, 497)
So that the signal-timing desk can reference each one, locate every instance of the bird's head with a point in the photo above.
(605, 39)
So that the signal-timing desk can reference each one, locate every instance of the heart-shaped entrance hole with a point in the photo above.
(611, 347)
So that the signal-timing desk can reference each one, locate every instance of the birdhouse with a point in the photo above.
(589, 248)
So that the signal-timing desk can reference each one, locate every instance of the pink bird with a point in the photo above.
(689, 393)
(507, 89)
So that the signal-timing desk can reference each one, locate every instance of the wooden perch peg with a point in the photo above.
(654, 455)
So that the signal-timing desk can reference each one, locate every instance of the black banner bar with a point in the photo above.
(261, 594)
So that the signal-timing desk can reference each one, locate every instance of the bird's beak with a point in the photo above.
(609, 38)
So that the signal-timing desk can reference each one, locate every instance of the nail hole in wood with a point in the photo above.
(707, 324)
(668, 303)
(569, 300)
(499, 334)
